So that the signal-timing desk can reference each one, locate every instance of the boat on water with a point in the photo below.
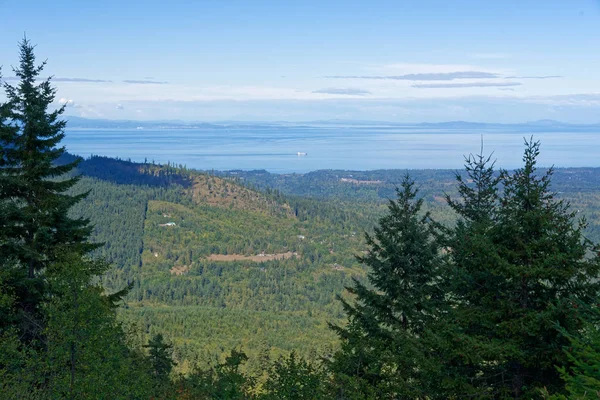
(301, 154)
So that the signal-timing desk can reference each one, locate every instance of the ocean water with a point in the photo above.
(351, 148)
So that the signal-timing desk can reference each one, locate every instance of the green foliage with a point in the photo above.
(33, 203)
(159, 354)
(128, 211)
(470, 281)
(582, 377)
(87, 356)
(224, 381)
(243, 302)
(384, 348)
(161, 363)
(530, 264)
(20, 368)
(520, 262)
(293, 378)
(200, 334)
(59, 337)
(483, 323)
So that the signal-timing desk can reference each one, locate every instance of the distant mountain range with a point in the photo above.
(541, 125)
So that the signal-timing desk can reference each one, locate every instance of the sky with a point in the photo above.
(398, 61)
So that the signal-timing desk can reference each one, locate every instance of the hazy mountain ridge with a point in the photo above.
(546, 124)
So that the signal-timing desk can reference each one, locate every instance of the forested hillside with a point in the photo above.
(216, 264)
(579, 186)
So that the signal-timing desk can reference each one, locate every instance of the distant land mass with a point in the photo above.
(540, 125)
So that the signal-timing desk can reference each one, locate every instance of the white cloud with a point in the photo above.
(464, 85)
(463, 77)
(68, 102)
(87, 111)
(343, 91)
(428, 76)
(403, 68)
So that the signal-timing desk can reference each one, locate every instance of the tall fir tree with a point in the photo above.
(34, 203)
(469, 280)
(517, 273)
(59, 337)
(384, 351)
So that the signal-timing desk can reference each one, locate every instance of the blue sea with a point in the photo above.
(276, 149)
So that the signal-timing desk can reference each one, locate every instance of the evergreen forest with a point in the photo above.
(125, 280)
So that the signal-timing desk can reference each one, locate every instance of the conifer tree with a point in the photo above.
(384, 352)
(160, 354)
(58, 328)
(517, 273)
(34, 204)
(469, 282)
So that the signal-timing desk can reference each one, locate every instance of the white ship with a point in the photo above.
(301, 154)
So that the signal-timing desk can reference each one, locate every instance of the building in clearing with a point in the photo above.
(168, 224)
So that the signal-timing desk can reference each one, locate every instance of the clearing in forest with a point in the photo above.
(256, 258)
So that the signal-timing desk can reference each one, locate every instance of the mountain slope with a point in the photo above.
(216, 264)
(202, 251)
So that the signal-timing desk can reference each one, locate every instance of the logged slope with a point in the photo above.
(208, 256)
(214, 191)
(175, 234)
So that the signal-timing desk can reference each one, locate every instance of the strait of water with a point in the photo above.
(275, 149)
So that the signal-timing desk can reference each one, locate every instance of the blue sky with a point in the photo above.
(404, 61)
